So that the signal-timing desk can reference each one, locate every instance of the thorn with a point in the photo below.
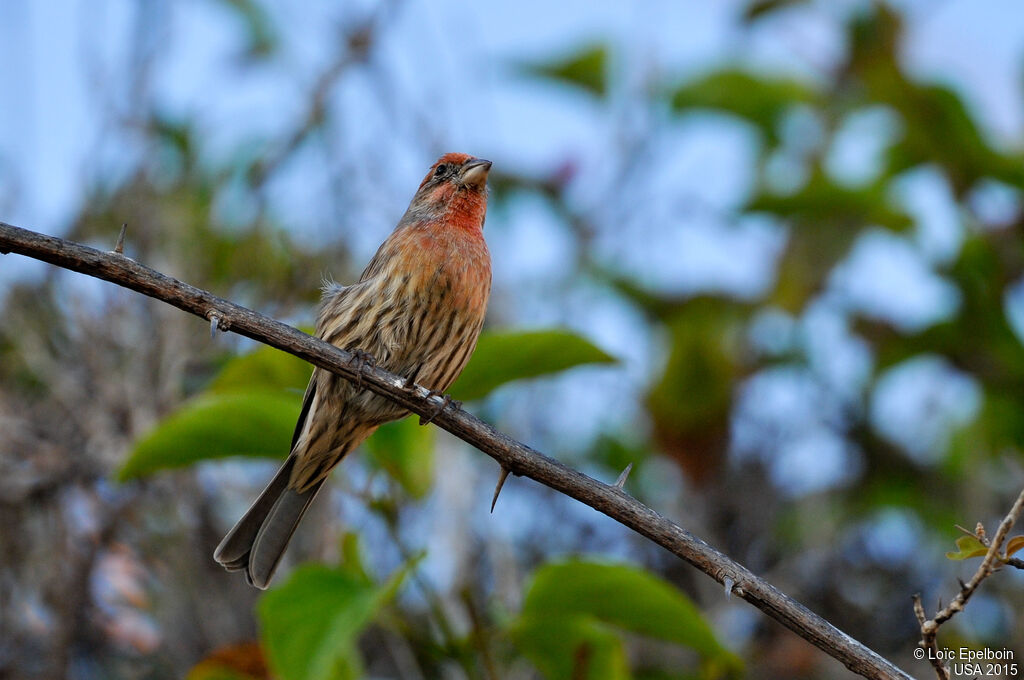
(729, 583)
(501, 483)
(963, 586)
(119, 246)
(217, 323)
(620, 483)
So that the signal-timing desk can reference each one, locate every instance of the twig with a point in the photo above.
(518, 458)
(930, 627)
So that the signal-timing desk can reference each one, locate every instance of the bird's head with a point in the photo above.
(456, 185)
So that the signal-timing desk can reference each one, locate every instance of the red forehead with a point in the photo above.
(453, 158)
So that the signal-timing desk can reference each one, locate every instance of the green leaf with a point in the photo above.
(503, 357)
(312, 622)
(625, 597)
(265, 368)
(257, 424)
(761, 8)
(259, 28)
(760, 100)
(586, 69)
(969, 546)
(1014, 544)
(352, 559)
(405, 451)
(705, 359)
(938, 126)
(823, 201)
(570, 647)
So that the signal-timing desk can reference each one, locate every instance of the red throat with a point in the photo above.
(463, 209)
(467, 210)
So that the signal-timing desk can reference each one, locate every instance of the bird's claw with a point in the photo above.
(360, 361)
(446, 401)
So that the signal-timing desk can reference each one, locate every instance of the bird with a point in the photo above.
(416, 311)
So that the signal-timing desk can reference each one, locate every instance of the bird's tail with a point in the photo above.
(259, 539)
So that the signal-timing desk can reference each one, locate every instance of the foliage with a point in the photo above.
(573, 611)
(586, 69)
(311, 622)
(501, 358)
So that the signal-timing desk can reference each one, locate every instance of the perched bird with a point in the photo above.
(416, 311)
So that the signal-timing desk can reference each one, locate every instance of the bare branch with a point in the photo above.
(930, 627)
(509, 453)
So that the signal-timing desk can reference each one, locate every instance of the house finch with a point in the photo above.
(416, 311)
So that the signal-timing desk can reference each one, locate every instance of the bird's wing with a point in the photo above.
(307, 401)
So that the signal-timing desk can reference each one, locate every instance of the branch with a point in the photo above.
(509, 453)
(930, 627)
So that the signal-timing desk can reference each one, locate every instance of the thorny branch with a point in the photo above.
(930, 627)
(512, 455)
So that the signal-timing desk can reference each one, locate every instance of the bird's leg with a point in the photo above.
(360, 361)
(445, 403)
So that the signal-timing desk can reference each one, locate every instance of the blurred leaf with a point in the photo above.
(760, 100)
(259, 29)
(312, 622)
(503, 357)
(352, 559)
(825, 218)
(404, 450)
(940, 130)
(616, 452)
(235, 662)
(761, 8)
(969, 546)
(626, 597)
(1014, 544)
(570, 647)
(979, 341)
(938, 126)
(822, 201)
(586, 69)
(690, 403)
(256, 424)
(265, 368)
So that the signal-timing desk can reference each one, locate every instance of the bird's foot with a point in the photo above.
(360, 361)
(446, 401)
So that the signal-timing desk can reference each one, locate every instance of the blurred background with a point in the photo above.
(770, 253)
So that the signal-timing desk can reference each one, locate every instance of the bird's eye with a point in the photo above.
(441, 169)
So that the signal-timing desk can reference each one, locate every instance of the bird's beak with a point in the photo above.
(474, 172)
